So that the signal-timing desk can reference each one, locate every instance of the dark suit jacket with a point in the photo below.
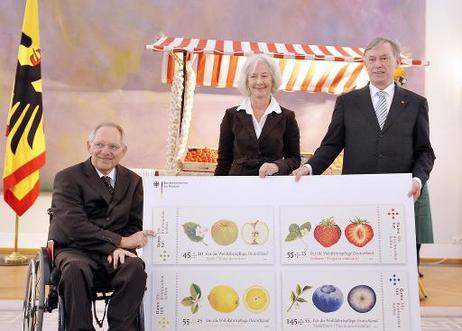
(240, 153)
(86, 216)
(403, 145)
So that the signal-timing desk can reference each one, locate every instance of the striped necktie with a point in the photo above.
(107, 183)
(381, 109)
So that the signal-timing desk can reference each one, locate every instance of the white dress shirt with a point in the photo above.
(388, 92)
(111, 175)
(258, 125)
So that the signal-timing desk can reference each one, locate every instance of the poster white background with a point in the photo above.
(364, 287)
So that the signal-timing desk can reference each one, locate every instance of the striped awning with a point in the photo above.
(310, 68)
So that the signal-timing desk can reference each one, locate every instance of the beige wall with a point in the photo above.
(33, 226)
(443, 82)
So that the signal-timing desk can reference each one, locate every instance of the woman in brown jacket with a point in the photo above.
(258, 137)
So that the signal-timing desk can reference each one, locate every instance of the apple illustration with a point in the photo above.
(327, 298)
(255, 233)
(224, 232)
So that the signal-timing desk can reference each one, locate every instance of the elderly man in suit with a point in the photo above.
(96, 225)
(382, 128)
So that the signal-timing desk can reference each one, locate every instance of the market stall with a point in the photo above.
(216, 63)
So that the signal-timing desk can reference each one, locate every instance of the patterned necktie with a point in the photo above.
(107, 183)
(381, 109)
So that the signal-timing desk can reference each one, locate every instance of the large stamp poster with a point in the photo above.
(245, 253)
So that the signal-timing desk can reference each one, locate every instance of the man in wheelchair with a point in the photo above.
(96, 226)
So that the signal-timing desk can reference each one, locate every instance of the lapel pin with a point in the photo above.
(403, 102)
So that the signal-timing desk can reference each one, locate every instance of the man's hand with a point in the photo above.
(136, 240)
(299, 172)
(415, 190)
(118, 256)
(268, 169)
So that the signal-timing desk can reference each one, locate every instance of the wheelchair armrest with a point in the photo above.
(51, 250)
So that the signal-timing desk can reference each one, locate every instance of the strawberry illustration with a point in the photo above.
(359, 232)
(327, 232)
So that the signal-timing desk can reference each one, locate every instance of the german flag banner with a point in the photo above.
(25, 142)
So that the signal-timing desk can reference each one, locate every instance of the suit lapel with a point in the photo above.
(95, 181)
(121, 185)
(398, 105)
(271, 121)
(246, 122)
(366, 107)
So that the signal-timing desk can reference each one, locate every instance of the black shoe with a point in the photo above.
(420, 274)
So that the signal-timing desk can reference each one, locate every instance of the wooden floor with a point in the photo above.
(12, 282)
(442, 282)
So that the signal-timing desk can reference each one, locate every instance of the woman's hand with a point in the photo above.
(268, 169)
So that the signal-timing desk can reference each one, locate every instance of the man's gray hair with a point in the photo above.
(379, 41)
(92, 134)
(249, 65)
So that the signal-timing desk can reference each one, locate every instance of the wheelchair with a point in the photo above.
(41, 294)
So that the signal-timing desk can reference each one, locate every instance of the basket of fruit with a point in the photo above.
(200, 159)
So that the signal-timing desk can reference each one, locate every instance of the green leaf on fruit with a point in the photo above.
(294, 232)
(294, 228)
(297, 299)
(195, 291)
(188, 301)
(291, 236)
(190, 229)
(193, 300)
(194, 308)
(298, 289)
(298, 232)
(306, 226)
(307, 287)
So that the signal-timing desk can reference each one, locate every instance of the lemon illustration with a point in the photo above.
(223, 298)
(256, 299)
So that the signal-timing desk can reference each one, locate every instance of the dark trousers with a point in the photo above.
(78, 270)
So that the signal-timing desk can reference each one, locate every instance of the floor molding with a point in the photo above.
(432, 260)
(25, 251)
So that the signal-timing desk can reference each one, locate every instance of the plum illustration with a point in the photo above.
(362, 298)
(327, 298)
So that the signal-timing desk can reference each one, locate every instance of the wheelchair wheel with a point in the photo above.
(30, 303)
(34, 299)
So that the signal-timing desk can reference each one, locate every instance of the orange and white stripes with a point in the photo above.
(310, 68)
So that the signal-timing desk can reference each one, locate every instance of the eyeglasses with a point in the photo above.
(111, 147)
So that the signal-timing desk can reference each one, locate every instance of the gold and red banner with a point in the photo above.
(25, 142)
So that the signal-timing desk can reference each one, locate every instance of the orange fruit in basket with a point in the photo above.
(205, 155)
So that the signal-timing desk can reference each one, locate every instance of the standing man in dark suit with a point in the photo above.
(382, 128)
(96, 225)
